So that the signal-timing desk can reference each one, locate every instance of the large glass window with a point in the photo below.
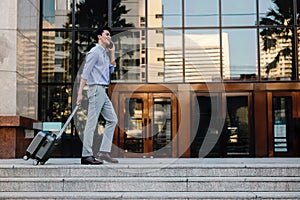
(56, 54)
(130, 56)
(238, 13)
(196, 14)
(56, 13)
(164, 13)
(277, 40)
(165, 56)
(202, 56)
(239, 54)
(276, 54)
(90, 14)
(129, 13)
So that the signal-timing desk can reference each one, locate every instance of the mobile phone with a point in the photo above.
(111, 45)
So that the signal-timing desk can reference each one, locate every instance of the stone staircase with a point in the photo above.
(229, 178)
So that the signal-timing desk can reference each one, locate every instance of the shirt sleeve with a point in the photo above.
(112, 68)
(91, 59)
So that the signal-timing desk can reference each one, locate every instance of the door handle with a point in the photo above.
(145, 132)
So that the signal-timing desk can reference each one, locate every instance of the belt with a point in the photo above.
(99, 85)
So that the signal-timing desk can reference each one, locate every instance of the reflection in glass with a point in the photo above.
(282, 109)
(56, 52)
(196, 14)
(90, 13)
(130, 56)
(164, 13)
(162, 128)
(55, 13)
(276, 55)
(298, 31)
(240, 46)
(130, 11)
(237, 126)
(202, 56)
(56, 103)
(238, 13)
(164, 56)
(274, 13)
(133, 125)
(207, 132)
(276, 43)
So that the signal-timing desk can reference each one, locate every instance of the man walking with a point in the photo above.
(100, 62)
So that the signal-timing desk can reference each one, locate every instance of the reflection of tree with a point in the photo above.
(279, 18)
(92, 14)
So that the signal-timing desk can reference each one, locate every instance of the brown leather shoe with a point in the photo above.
(90, 160)
(106, 157)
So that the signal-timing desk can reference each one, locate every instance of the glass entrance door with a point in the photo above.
(284, 126)
(234, 140)
(147, 125)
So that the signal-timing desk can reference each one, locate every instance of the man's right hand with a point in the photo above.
(79, 99)
(80, 89)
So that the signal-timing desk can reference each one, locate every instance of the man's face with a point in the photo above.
(105, 37)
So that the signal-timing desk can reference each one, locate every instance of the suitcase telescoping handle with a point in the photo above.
(61, 132)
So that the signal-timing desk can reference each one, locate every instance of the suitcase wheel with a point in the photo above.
(35, 162)
(25, 157)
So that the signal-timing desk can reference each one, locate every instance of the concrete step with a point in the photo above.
(151, 184)
(149, 195)
(152, 168)
(152, 179)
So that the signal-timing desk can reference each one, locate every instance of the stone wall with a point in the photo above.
(19, 50)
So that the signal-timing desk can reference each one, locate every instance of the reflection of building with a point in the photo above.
(201, 56)
(131, 45)
(284, 67)
(48, 59)
(56, 59)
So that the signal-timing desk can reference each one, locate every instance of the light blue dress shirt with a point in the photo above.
(97, 68)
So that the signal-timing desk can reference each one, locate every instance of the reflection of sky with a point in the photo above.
(49, 11)
(242, 42)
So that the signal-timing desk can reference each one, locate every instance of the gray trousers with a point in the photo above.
(99, 102)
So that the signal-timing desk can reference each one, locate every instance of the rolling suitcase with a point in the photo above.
(44, 142)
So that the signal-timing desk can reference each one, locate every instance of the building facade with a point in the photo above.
(194, 78)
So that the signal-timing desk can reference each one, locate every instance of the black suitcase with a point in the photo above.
(44, 142)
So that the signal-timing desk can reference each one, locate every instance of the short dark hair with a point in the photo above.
(100, 30)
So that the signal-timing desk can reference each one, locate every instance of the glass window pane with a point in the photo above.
(164, 13)
(276, 53)
(162, 127)
(133, 125)
(91, 14)
(56, 57)
(202, 56)
(130, 56)
(275, 12)
(84, 42)
(164, 56)
(238, 13)
(298, 31)
(237, 126)
(56, 103)
(129, 13)
(196, 14)
(56, 13)
(282, 115)
(239, 50)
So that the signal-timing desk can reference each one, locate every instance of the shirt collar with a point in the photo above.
(100, 47)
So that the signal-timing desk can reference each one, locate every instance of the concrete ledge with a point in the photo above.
(150, 195)
(14, 140)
